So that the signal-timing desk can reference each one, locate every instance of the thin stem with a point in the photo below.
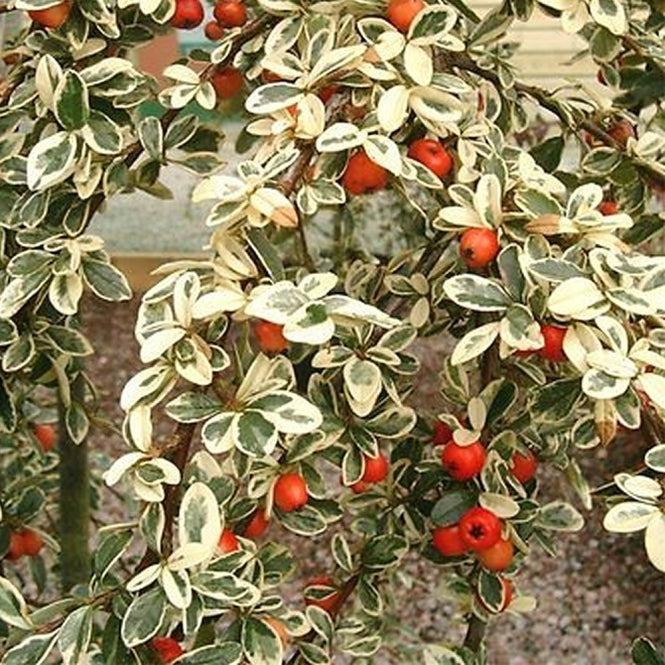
(475, 633)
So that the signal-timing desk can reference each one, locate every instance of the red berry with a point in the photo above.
(257, 524)
(463, 462)
(433, 155)
(230, 13)
(228, 542)
(32, 542)
(167, 649)
(290, 492)
(478, 247)
(51, 17)
(16, 548)
(448, 541)
(359, 487)
(553, 348)
(376, 469)
(523, 467)
(326, 93)
(270, 77)
(213, 31)
(269, 337)
(479, 528)
(608, 207)
(498, 557)
(363, 175)
(326, 602)
(401, 13)
(227, 82)
(442, 433)
(46, 435)
(621, 131)
(188, 14)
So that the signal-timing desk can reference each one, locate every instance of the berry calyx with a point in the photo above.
(442, 433)
(16, 549)
(257, 524)
(228, 542)
(227, 82)
(213, 31)
(188, 14)
(478, 247)
(230, 13)
(46, 435)
(479, 528)
(608, 207)
(401, 13)
(270, 337)
(167, 649)
(51, 17)
(498, 557)
(290, 492)
(376, 469)
(523, 466)
(463, 462)
(447, 540)
(553, 347)
(430, 153)
(326, 597)
(363, 175)
(32, 542)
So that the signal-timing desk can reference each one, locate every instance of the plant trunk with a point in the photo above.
(74, 501)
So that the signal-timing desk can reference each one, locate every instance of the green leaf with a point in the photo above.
(307, 521)
(69, 341)
(548, 153)
(8, 415)
(477, 293)
(75, 634)
(102, 134)
(643, 652)
(152, 137)
(262, 646)
(31, 651)
(51, 161)
(105, 280)
(491, 591)
(254, 434)
(13, 609)
(199, 520)
(266, 253)
(559, 516)
(18, 354)
(384, 551)
(77, 422)
(192, 407)
(110, 549)
(556, 400)
(226, 653)
(143, 618)
(341, 552)
(226, 587)
(452, 505)
(72, 106)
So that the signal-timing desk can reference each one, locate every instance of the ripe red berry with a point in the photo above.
(376, 469)
(479, 528)
(553, 348)
(213, 31)
(363, 175)
(230, 13)
(46, 435)
(228, 542)
(290, 492)
(326, 93)
(442, 433)
(498, 557)
(433, 155)
(227, 82)
(359, 487)
(270, 77)
(51, 17)
(463, 462)
(608, 207)
(523, 466)
(167, 649)
(600, 77)
(188, 14)
(325, 602)
(32, 542)
(621, 131)
(269, 337)
(257, 524)
(478, 247)
(401, 13)
(16, 549)
(448, 541)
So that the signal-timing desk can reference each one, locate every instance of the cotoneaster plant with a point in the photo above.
(287, 362)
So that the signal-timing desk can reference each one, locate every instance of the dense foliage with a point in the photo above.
(285, 360)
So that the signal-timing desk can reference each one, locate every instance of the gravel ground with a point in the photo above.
(593, 599)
